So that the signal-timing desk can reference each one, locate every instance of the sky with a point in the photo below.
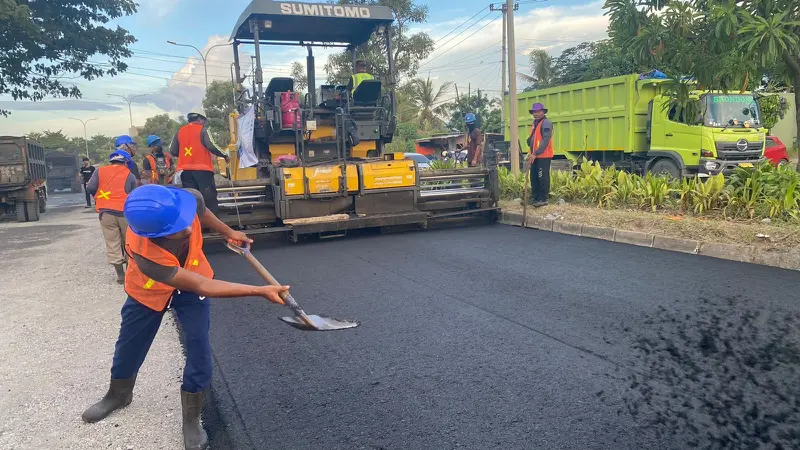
(164, 78)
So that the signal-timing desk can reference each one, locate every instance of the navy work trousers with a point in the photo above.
(140, 325)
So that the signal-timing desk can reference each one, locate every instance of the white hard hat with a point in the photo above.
(196, 112)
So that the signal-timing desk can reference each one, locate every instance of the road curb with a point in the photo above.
(732, 252)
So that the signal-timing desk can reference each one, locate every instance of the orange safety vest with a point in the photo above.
(149, 292)
(537, 138)
(192, 154)
(111, 187)
(153, 172)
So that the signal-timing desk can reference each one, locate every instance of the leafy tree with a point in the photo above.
(299, 76)
(404, 138)
(218, 104)
(429, 102)
(485, 109)
(44, 42)
(542, 70)
(409, 49)
(721, 44)
(590, 61)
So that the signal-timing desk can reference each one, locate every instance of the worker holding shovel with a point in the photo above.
(168, 269)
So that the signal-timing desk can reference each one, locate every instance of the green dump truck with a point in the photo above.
(629, 122)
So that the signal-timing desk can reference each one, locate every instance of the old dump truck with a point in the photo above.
(62, 171)
(321, 164)
(22, 178)
(629, 122)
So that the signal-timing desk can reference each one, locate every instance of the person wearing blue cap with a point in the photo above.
(168, 269)
(128, 145)
(110, 186)
(158, 166)
(474, 142)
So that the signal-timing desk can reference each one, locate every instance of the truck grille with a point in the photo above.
(731, 151)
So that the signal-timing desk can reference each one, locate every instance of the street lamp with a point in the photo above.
(85, 138)
(130, 112)
(202, 56)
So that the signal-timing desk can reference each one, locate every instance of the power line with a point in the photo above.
(465, 22)
(459, 43)
(477, 55)
(455, 36)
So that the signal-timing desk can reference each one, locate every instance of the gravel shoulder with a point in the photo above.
(60, 322)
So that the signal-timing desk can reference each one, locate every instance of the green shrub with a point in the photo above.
(760, 192)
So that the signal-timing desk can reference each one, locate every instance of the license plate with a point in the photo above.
(745, 165)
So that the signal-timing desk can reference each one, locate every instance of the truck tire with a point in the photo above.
(42, 205)
(28, 211)
(666, 166)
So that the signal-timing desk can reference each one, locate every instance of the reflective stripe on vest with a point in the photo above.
(358, 78)
(192, 154)
(149, 292)
(154, 172)
(111, 187)
(537, 138)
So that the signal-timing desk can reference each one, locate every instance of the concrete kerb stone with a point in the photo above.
(567, 228)
(733, 252)
(606, 234)
(676, 244)
(784, 260)
(634, 238)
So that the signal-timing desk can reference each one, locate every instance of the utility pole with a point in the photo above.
(504, 9)
(512, 91)
(85, 138)
(202, 56)
(128, 100)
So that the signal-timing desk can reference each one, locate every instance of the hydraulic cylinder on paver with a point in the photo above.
(633, 124)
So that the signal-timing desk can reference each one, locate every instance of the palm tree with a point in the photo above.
(429, 101)
(542, 70)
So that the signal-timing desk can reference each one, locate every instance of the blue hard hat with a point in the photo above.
(155, 211)
(119, 155)
(122, 140)
(469, 118)
(152, 139)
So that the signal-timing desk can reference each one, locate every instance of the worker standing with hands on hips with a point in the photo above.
(110, 186)
(193, 146)
(86, 174)
(128, 145)
(157, 167)
(474, 139)
(540, 155)
(168, 269)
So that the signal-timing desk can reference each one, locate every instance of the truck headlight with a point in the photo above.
(711, 165)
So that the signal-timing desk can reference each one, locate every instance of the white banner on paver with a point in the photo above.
(246, 150)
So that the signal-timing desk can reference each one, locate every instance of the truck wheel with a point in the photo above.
(42, 205)
(28, 211)
(666, 167)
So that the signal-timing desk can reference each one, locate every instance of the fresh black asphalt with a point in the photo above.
(480, 337)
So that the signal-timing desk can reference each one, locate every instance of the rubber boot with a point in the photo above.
(119, 395)
(194, 436)
(120, 273)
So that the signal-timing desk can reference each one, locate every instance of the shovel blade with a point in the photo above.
(320, 323)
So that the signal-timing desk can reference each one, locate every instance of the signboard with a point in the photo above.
(325, 10)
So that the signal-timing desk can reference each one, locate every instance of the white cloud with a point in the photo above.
(157, 8)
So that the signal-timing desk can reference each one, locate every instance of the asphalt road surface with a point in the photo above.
(477, 338)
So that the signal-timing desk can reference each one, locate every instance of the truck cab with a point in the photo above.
(727, 133)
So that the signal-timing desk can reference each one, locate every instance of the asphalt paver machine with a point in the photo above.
(323, 165)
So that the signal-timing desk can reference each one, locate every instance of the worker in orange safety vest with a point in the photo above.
(110, 186)
(157, 167)
(540, 155)
(193, 146)
(168, 270)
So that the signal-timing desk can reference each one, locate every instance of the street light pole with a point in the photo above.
(85, 138)
(130, 111)
(202, 56)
